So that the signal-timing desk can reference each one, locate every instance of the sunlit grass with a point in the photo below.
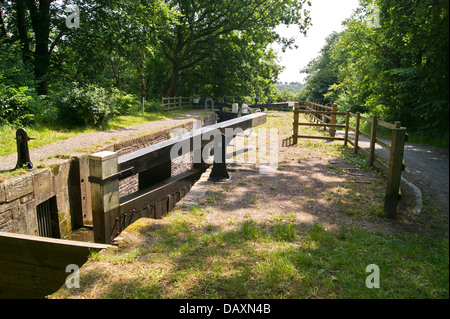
(47, 134)
(188, 257)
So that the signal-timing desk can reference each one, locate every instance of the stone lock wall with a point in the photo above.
(20, 196)
(67, 181)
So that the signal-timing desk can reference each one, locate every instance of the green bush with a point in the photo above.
(154, 106)
(18, 99)
(123, 103)
(84, 105)
(17, 105)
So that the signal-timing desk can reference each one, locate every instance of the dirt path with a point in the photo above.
(74, 145)
(314, 183)
(426, 167)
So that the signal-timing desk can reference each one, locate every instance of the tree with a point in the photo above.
(391, 60)
(31, 23)
(322, 72)
(40, 26)
(235, 65)
(185, 42)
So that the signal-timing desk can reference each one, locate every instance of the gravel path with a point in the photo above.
(72, 146)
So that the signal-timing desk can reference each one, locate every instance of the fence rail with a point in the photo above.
(325, 116)
(175, 103)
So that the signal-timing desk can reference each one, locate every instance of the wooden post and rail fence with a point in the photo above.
(179, 102)
(326, 117)
(176, 103)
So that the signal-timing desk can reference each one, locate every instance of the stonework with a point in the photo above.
(68, 182)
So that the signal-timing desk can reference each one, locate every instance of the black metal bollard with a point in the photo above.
(23, 154)
(219, 171)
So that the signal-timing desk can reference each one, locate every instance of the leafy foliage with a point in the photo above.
(391, 60)
(18, 100)
(84, 106)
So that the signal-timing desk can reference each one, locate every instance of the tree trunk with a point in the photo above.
(40, 21)
(173, 82)
(22, 30)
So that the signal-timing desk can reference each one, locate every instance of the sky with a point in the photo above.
(326, 17)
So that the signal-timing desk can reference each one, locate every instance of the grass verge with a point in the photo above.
(184, 256)
(47, 134)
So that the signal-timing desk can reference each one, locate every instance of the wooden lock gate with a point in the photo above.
(158, 191)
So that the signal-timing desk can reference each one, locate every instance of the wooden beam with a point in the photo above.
(357, 132)
(320, 124)
(321, 137)
(347, 120)
(395, 171)
(154, 155)
(153, 194)
(105, 196)
(373, 139)
(321, 112)
(295, 124)
(34, 267)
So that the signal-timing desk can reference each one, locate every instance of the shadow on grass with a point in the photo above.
(268, 260)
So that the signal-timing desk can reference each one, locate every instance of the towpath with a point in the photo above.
(72, 146)
(427, 168)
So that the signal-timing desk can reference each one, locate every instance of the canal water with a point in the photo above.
(82, 234)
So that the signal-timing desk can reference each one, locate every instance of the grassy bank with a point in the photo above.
(44, 134)
(184, 256)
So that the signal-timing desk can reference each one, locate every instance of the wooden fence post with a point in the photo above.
(333, 120)
(295, 124)
(347, 123)
(104, 194)
(323, 117)
(373, 138)
(395, 170)
(358, 117)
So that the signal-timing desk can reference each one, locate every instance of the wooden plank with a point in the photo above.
(321, 137)
(352, 143)
(319, 124)
(156, 154)
(321, 112)
(373, 138)
(31, 240)
(386, 124)
(381, 164)
(357, 132)
(365, 119)
(295, 125)
(364, 134)
(146, 197)
(33, 267)
(333, 120)
(347, 119)
(394, 172)
(383, 144)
